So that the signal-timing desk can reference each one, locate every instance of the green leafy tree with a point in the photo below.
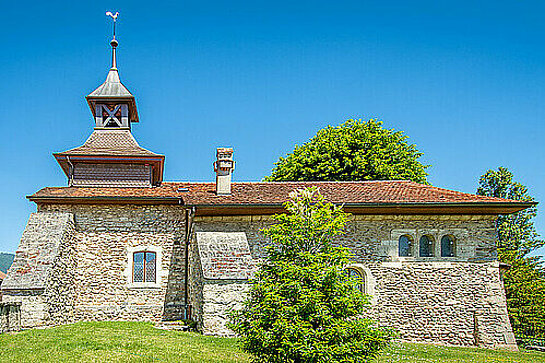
(525, 292)
(302, 307)
(517, 237)
(355, 150)
(515, 231)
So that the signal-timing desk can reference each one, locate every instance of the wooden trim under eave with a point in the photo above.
(375, 210)
(268, 209)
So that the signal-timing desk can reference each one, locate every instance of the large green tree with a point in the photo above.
(355, 150)
(517, 238)
(302, 307)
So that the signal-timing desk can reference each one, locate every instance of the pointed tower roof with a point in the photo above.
(112, 89)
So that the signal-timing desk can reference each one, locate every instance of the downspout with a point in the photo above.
(70, 171)
(189, 213)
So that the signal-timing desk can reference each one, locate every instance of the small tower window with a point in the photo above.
(426, 246)
(358, 275)
(144, 266)
(447, 246)
(405, 246)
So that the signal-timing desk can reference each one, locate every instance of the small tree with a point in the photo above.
(302, 307)
(354, 150)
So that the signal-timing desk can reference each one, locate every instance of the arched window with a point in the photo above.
(144, 266)
(358, 275)
(447, 246)
(405, 246)
(426, 246)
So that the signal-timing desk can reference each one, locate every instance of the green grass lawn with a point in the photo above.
(141, 342)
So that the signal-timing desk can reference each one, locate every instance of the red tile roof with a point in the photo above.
(275, 193)
(2, 275)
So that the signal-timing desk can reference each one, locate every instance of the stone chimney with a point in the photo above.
(224, 166)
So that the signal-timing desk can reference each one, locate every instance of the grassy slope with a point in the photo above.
(140, 342)
(430, 353)
(5, 261)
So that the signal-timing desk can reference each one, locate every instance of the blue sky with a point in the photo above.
(464, 80)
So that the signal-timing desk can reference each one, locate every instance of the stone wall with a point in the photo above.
(10, 317)
(60, 292)
(33, 306)
(459, 303)
(452, 300)
(219, 299)
(105, 239)
(223, 266)
(74, 263)
(375, 237)
(41, 276)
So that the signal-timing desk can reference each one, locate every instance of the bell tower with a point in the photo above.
(112, 105)
(111, 157)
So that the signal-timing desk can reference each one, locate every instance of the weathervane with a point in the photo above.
(114, 42)
(114, 17)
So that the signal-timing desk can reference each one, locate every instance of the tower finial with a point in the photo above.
(113, 42)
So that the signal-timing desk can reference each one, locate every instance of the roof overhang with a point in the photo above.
(375, 208)
(467, 208)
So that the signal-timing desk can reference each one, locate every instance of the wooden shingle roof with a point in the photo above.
(110, 142)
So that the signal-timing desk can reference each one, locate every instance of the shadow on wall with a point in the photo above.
(174, 295)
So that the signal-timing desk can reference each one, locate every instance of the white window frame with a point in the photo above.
(158, 267)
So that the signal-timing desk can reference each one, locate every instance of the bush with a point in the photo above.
(302, 307)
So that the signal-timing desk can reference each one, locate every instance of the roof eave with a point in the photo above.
(105, 199)
(486, 208)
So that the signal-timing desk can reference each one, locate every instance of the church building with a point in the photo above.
(119, 243)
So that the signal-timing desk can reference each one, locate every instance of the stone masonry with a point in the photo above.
(103, 238)
(220, 278)
(451, 300)
(42, 273)
(74, 263)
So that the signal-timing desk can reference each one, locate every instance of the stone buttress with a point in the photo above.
(42, 273)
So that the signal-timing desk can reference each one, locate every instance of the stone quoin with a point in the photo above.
(119, 243)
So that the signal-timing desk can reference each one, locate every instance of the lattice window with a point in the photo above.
(144, 267)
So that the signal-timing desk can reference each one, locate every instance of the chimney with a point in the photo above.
(224, 166)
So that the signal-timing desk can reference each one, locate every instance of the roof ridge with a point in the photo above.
(305, 182)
